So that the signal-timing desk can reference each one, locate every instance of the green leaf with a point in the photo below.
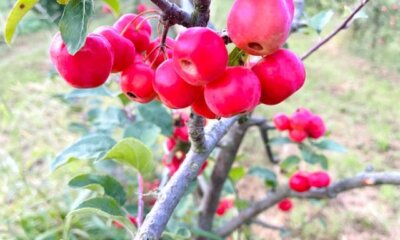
(102, 206)
(74, 24)
(330, 145)
(280, 141)
(155, 113)
(146, 132)
(114, 5)
(19, 10)
(319, 21)
(111, 186)
(237, 57)
(289, 165)
(89, 147)
(236, 173)
(268, 176)
(134, 153)
(101, 91)
(312, 157)
(124, 99)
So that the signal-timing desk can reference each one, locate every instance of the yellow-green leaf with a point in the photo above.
(114, 5)
(63, 2)
(20, 8)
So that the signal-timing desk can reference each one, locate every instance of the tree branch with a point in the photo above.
(225, 159)
(155, 222)
(342, 26)
(201, 13)
(268, 225)
(196, 132)
(173, 14)
(272, 198)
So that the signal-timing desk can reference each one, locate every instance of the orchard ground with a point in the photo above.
(358, 100)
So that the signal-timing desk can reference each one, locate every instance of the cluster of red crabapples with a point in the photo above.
(192, 70)
(302, 182)
(177, 145)
(224, 205)
(302, 124)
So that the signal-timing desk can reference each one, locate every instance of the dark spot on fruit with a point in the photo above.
(22, 6)
(255, 46)
(131, 95)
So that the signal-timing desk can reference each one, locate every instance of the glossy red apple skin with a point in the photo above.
(285, 205)
(136, 29)
(172, 90)
(281, 121)
(200, 56)
(319, 179)
(89, 67)
(137, 83)
(260, 27)
(297, 136)
(154, 54)
(299, 182)
(237, 91)
(281, 75)
(124, 50)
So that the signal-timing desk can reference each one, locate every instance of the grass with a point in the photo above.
(357, 98)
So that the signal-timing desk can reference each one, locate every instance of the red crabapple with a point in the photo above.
(224, 205)
(89, 67)
(299, 182)
(319, 179)
(316, 127)
(260, 27)
(281, 121)
(173, 91)
(297, 136)
(281, 74)
(137, 83)
(285, 205)
(200, 56)
(123, 49)
(236, 91)
(300, 119)
(135, 28)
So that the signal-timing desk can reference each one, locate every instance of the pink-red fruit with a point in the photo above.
(285, 205)
(316, 127)
(281, 121)
(260, 27)
(281, 74)
(137, 83)
(319, 179)
(89, 67)
(299, 182)
(172, 90)
(297, 136)
(135, 28)
(200, 56)
(236, 91)
(123, 49)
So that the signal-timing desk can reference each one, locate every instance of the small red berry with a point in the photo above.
(300, 119)
(319, 179)
(170, 143)
(224, 205)
(137, 83)
(182, 133)
(141, 8)
(106, 9)
(285, 205)
(297, 136)
(282, 122)
(316, 127)
(200, 56)
(299, 182)
(173, 91)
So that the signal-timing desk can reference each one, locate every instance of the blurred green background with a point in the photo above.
(353, 83)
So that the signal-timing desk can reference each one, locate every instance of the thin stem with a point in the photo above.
(342, 26)
(140, 200)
